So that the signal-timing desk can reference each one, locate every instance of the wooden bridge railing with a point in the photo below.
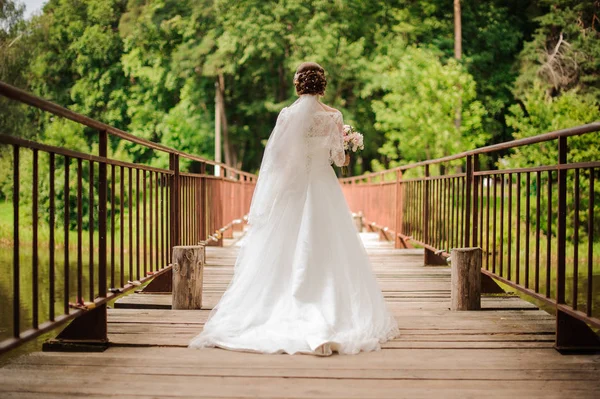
(536, 225)
(90, 227)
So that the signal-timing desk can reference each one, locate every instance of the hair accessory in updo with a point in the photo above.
(310, 79)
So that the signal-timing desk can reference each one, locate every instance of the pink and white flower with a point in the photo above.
(353, 140)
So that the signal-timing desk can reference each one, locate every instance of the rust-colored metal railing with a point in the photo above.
(87, 227)
(537, 226)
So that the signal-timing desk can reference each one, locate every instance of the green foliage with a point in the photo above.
(565, 50)
(559, 87)
(150, 68)
(424, 129)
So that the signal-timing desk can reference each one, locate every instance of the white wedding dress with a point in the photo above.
(302, 281)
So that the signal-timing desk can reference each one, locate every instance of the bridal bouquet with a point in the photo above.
(353, 141)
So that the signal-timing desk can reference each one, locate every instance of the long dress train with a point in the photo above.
(302, 280)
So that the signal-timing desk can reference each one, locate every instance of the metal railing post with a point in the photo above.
(399, 211)
(426, 209)
(467, 210)
(174, 201)
(475, 230)
(102, 214)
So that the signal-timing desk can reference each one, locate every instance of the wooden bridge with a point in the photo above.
(105, 227)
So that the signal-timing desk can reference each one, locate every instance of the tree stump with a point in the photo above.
(466, 279)
(188, 269)
(358, 221)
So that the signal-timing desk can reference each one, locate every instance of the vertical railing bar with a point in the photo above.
(130, 229)
(157, 265)
(79, 231)
(426, 207)
(122, 226)
(144, 225)
(151, 227)
(481, 194)
(411, 205)
(169, 217)
(501, 252)
(51, 227)
(576, 201)
(184, 212)
(489, 180)
(433, 213)
(549, 236)
(518, 232)
(441, 221)
(102, 214)
(404, 211)
(537, 230)
(446, 218)
(194, 212)
(91, 231)
(202, 202)
(34, 255)
(475, 182)
(66, 232)
(451, 212)
(527, 227)
(405, 208)
(163, 181)
(137, 225)
(467, 203)
(590, 254)
(420, 225)
(113, 177)
(449, 192)
(463, 213)
(561, 236)
(16, 245)
(175, 216)
(459, 211)
(495, 225)
(189, 211)
(509, 228)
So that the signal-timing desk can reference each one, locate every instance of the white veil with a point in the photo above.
(285, 165)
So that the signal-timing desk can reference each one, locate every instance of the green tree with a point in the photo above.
(419, 94)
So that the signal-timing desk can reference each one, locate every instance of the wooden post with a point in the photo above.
(188, 268)
(358, 221)
(466, 279)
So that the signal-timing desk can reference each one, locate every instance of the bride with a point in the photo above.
(302, 281)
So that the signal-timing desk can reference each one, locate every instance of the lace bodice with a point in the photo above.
(323, 137)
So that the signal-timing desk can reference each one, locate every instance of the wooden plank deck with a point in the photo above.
(504, 350)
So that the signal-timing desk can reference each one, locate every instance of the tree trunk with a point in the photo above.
(188, 269)
(220, 97)
(457, 31)
(458, 56)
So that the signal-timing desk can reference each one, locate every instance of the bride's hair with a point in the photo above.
(310, 79)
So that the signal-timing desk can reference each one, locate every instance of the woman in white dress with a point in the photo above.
(302, 281)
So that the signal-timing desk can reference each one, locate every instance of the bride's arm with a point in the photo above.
(337, 153)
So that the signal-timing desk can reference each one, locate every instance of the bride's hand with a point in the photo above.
(347, 162)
